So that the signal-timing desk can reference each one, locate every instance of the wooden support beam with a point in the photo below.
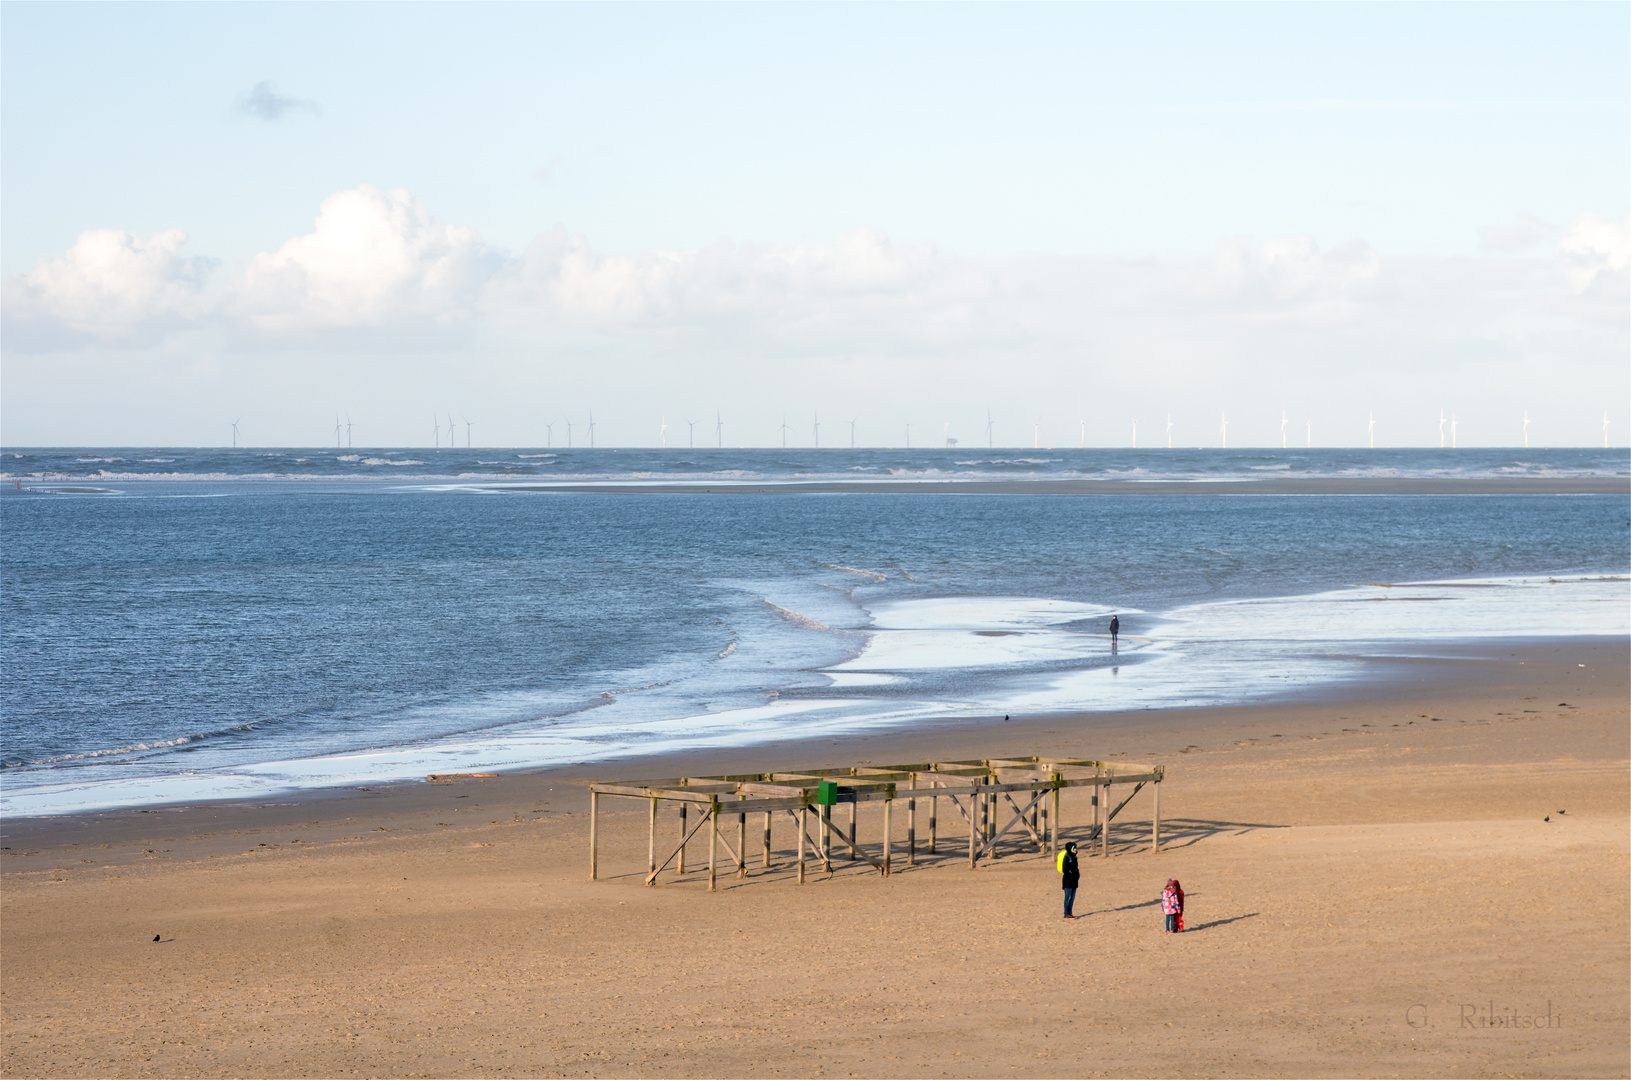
(888, 834)
(973, 845)
(1055, 821)
(594, 813)
(852, 831)
(911, 830)
(1017, 819)
(742, 845)
(1030, 808)
(832, 830)
(679, 849)
(824, 830)
(768, 816)
(1155, 822)
(651, 841)
(1104, 828)
(803, 813)
(934, 813)
(680, 869)
(713, 846)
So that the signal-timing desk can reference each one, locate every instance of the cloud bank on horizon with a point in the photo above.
(393, 305)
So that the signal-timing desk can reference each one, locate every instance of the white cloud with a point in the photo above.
(376, 260)
(378, 273)
(1521, 235)
(1594, 256)
(112, 287)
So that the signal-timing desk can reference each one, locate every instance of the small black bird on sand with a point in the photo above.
(158, 937)
(1548, 817)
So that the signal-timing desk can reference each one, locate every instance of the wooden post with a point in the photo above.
(804, 818)
(888, 804)
(594, 812)
(680, 868)
(1055, 817)
(973, 845)
(1042, 803)
(911, 829)
(825, 832)
(767, 839)
(1155, 821)
(1039, 845)
(934, 814)
(713, 844)
(852, 806)
(741, 845)
(988, 818)
(651, 844)
(1104, 819)
(985, 806)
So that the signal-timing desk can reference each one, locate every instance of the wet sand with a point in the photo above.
(1373, 891)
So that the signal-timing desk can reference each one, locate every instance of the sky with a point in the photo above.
(1068, 217)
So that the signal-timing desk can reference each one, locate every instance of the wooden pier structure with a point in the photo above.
(1025, 789)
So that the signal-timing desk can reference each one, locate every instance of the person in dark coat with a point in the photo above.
(1115, 627)
(1071, 876)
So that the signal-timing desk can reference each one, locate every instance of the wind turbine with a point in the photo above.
(436, 429)
(1225, 430)
(452, 432)
(1371, 430)
(852, 433)
(336, 431)
(784, 430)
(1036, 434)
(549, 436)
(719, 429)
(591, 430)
(467, 426)
(990, 426)
(815, 429)
(908, 434)
(662, 433)
(1441, 429)
(235, 433)
(1452, 431)
(1135, 434)
(1282, 429)
(1169, 431)
(691, 439)
(1605, 429)
(1526, 429)
(348, 431)
(1084, 436)
(569, 434)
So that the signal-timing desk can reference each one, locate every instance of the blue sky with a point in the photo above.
(644, 209)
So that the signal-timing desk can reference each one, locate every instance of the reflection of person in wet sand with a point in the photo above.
(1115, 627)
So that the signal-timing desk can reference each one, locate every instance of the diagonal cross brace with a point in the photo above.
(813, 845)
(1020, 816)
(1112, 816)
(651, 878)
(1023, 820)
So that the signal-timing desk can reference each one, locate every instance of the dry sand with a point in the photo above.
(1373, 891)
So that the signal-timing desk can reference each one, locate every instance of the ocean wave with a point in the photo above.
(136, 748)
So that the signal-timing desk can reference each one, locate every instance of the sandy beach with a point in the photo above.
(1374, 890)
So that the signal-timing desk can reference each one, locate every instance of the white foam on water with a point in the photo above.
(928, 659)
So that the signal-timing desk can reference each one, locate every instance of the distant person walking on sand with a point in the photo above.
(1115, 627)
(1172, 905)
(1072, 876)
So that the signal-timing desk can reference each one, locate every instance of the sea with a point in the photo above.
(206, 624)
